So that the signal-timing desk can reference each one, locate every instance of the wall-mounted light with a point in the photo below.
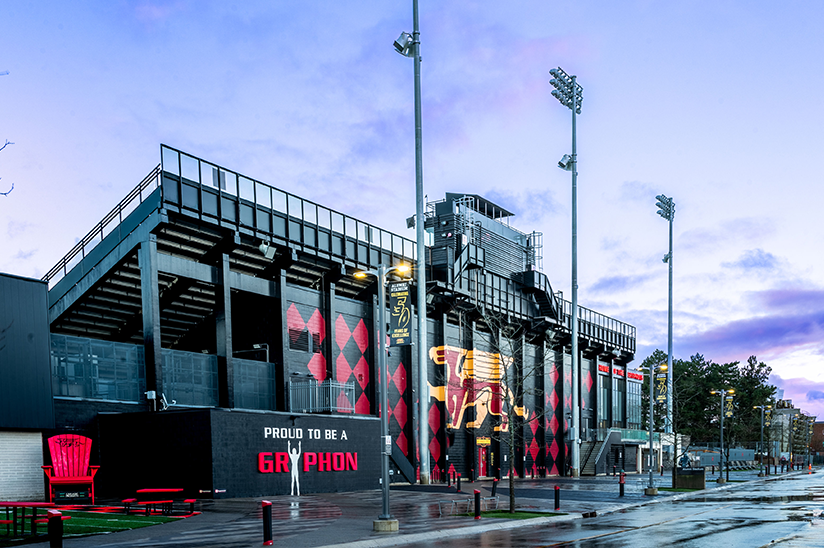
(267, 250)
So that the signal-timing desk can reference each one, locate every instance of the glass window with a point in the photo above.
(278, 200)
(295, 207)
(188, 168)
(310, 212)
(247, 189)
(210, 176)
(324, 217)
(263, 195)
(228, 182)
(634, 405)
(171, 161)
(603, 401)
(618, 388)
(337, 222)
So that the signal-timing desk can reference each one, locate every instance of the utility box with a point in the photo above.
(688, 478)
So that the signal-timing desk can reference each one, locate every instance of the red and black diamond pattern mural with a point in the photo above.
(553, 419)
(400, 406)
(351, 363)
(307, 329)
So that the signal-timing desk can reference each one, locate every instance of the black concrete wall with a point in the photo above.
(25, 370)
(215, 453)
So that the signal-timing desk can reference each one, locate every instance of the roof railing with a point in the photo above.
(104, 227)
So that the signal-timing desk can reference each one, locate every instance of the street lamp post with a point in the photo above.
(723, 393)
(385, 522)
(570, 94)
(651, 490)
(761, 444)
(666, 209)
(410, 46)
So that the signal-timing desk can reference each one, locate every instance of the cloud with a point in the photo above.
(752, 229)
(17, 228)
(772, 335)
(754, 259)
(24, 255)
(791, 300)
(805, 394)
(529, 206)
(638, 191)
(619, 283)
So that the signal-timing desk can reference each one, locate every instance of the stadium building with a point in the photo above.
(209, 332)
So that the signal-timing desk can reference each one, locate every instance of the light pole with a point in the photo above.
(570, 94)
(410, 46)
(666, 209)
(385, 522)
(651, 490)
(761, 444)
(723, 393)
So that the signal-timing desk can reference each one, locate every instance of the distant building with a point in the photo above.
(210, 328)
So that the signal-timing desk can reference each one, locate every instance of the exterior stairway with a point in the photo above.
(589, 451)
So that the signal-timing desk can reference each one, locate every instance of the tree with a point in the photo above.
(501, 383)
(696, 412)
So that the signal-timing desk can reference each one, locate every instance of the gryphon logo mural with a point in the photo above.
(473, 378)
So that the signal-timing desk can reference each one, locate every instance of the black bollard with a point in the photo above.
(477, 504)
(621, 481)
(613, 470)
(495, 487)
(449, 479)
(557, 498)
(458, 479)
(55, 529)
(267, 523)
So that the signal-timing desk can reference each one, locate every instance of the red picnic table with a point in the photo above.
(14, 505)
(154, 498)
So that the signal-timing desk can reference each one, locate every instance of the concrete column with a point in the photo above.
(150, 304)
(223, 335)
(283, 378)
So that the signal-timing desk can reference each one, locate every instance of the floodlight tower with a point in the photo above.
(570, 94)
(409, 45)
(666, 209)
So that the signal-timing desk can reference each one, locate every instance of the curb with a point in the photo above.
(401, 539)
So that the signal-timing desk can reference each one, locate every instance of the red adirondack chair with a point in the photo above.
(70, 463)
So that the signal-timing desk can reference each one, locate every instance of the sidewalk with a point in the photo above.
(334, 519)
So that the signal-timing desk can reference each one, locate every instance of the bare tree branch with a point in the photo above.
(1, 148)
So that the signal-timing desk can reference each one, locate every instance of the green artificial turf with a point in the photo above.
(87, 523)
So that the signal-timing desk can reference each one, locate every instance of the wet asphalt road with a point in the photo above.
(785, 513)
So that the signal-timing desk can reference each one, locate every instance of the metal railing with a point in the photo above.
(600, 327)
(311, 396)
(105, 227)
(306, 222)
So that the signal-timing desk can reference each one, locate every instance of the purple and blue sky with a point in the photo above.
(715, 103)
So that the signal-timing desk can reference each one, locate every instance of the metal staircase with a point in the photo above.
(591, 450)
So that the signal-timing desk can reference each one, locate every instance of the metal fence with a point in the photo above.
(94, 369)
(190, 378)
(311, 396)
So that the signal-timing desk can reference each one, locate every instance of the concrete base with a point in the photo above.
(761, 475)
(650, 491)
(720, 481)
(385, 526)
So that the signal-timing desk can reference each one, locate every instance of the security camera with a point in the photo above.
(666, 258)
(565, 163)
